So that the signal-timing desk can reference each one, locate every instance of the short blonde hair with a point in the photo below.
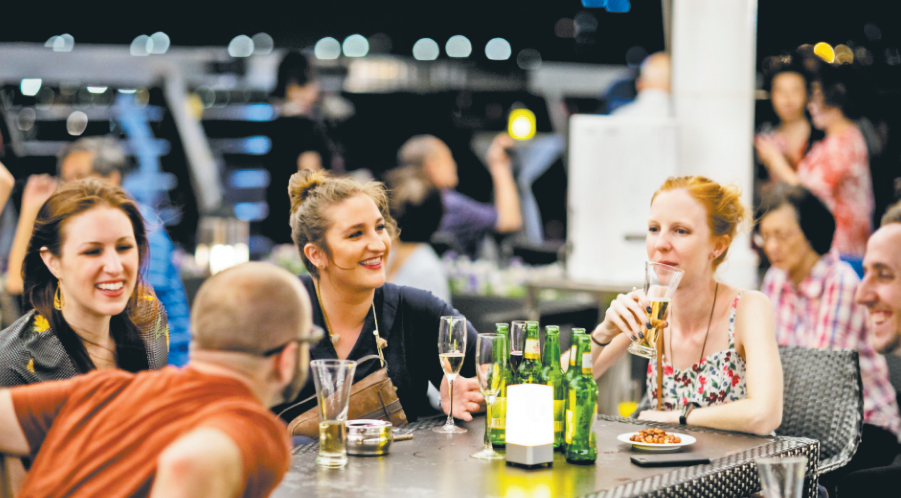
(312, 193)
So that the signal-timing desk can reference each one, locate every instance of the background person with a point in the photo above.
(692, 222)
(837, 168)
(813, 293)
(880, 289)
(416, 208)
(466, 221)
(343, 229)
(653, 85)
(199, 431)
(104, 158)
(792, 135)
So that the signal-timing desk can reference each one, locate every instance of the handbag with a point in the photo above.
(373, 397)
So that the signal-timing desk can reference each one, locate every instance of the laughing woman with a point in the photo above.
(343, 230)
(82, 276)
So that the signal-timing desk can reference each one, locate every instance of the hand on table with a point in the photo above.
(467, 397)
(671, 417)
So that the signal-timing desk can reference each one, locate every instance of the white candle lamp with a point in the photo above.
(530, 425)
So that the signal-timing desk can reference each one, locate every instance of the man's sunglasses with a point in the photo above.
(316, 334)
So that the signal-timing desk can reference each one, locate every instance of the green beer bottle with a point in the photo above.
(498, 423)
(552, 375)
(529, 371)
(572, 371)
(582, 410)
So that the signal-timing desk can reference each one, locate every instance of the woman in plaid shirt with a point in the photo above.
(812, 291)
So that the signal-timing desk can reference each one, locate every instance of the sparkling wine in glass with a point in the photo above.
(451, 353)
(490, 367)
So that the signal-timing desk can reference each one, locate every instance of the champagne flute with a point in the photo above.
(660, 283)
(517, 340)
(451, 352)
(490, 367)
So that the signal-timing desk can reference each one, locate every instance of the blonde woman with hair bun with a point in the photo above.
(343, 230)
(721, 364)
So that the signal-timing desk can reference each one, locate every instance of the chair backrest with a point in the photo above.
(823, 400)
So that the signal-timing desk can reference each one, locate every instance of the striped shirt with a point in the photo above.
(821, 313)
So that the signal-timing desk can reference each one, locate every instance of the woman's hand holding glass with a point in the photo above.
(628, 314)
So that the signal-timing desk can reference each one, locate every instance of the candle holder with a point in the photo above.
(530, 425)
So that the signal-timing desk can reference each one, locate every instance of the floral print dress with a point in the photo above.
(718, 378)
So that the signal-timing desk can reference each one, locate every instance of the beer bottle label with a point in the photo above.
(586, 363)
(559, 408)
(572, 356)
(532, 351)
(570, 428)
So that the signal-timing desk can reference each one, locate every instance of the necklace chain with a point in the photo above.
(706, 335)
(379, 342)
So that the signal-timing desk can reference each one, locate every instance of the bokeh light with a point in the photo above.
(76, 123)
(355, 46)
(528, 59)
(844, 54)
(498, 49)
(97, 89)
(159, 43)
(262, 44)
(565, 28)
(30, 86)
(863, 56)
(426, 49)
(61, 43)
(458, 46)
(618, 6)
(327, 48)
(521, 124)
(872, 32)
(142, 45)
(25, 119)
(240, 46)
(824, 51)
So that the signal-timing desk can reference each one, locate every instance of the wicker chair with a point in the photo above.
(823, 400)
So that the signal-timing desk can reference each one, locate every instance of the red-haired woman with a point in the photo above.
(82, 274)
(720, 352)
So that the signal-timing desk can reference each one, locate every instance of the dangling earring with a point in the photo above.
(58, 300)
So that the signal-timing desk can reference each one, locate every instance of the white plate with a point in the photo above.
(686, 440)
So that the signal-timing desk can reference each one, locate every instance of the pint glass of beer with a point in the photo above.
(333, 379)
(660, 283)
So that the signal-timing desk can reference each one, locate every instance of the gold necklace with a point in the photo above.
(379, 342)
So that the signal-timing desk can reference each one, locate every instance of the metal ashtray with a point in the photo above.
(368, 437)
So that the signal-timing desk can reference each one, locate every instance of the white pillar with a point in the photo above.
(714, 47)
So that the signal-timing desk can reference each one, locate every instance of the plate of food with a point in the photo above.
(654, 439)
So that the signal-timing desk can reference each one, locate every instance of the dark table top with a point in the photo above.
(435, 464)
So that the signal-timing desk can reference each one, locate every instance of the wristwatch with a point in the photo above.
(686, 409)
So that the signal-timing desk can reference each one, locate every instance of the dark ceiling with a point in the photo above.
(299, 24)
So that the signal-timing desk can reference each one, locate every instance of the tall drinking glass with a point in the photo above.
(517, 341)
(782, 477)
(451, 352)
(333, 379)
(660, 283)
(490, 349)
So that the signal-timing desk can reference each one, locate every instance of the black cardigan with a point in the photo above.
(408, 319)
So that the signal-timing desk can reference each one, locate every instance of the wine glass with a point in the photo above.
(451, 352)
(490, 367)
(517, 340)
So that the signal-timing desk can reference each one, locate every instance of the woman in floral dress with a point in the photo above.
(719, 352)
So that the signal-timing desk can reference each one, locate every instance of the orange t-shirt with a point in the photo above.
(100, 434)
